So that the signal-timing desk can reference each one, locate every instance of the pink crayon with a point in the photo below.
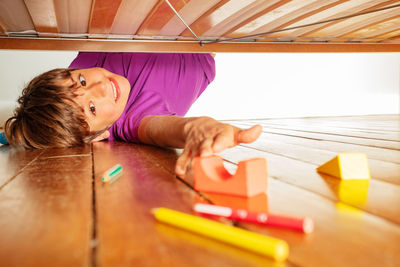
(304, 225)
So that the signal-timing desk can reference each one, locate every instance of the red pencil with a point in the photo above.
(304, 225)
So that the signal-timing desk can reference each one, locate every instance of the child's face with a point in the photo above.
(102, 95)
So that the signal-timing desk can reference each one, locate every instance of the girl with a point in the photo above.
(131, 97)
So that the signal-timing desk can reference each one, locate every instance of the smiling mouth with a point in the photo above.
(115, 88)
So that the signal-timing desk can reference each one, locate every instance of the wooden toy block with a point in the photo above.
(250, 178)
(347, 166)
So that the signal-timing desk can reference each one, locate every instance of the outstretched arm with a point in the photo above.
(198, 136)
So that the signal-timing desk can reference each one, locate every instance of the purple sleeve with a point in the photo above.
(148, 103)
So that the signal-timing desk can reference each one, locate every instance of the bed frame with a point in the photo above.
(201, 26)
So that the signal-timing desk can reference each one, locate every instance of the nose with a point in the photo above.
(97, 89)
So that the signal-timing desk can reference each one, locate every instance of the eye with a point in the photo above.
(82, 80)
(92, 108)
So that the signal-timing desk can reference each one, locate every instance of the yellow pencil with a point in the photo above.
(269, 246)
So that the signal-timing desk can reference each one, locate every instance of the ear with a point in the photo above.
(102, 136)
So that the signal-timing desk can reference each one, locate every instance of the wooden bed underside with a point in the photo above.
(202, 26)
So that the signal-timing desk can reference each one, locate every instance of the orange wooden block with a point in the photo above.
(250, 178)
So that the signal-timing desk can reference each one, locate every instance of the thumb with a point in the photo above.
(249, 135)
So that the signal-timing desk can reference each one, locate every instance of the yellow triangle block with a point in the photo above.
(347, 166)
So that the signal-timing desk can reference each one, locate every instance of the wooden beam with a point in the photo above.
(102, 15)
(174, 46)
(43, 15)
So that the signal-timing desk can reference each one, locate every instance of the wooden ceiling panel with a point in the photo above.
(189, 13)
(102, 16)
(131, 15)
(73, 15)
(354, 24)
(14, 16)
(159, 17)
(43, 15)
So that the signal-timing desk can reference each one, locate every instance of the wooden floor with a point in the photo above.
(55, 211)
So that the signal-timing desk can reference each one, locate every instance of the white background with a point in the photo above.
(256, 85)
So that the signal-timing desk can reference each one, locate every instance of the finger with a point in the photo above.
(206, 147)
(181, 162)
(249, 135)
(223, 141)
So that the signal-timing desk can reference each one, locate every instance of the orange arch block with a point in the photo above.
(250, 179)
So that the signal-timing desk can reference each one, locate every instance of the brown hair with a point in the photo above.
(47, 115)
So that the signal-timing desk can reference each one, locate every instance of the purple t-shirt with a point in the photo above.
(161, 84)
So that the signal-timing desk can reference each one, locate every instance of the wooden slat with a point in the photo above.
(279, 12)
(2, 30)
(390, 35)
(356, 23)
(342, 10)
(102, 15)
(46, 213)
(160, 15)
(189, 13)
(73, 16)
(127, 233)
(286, 20)
(174, 46)
(376, 29)
(43, 15)
(14, 16)
(127, 23)
(217, 15)
(372, 197)
(244, 16)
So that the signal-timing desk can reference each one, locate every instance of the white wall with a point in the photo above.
(18, 67)
(256, 85)
(295, 85)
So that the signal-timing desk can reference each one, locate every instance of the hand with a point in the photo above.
(206, 136)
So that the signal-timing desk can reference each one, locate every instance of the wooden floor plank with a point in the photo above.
(46, 212)
(375, 197)
(332, 130)
(334, 222)
(127, 233)
(393, 145)
(387, 155)
(13, 161)
(380, 170)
